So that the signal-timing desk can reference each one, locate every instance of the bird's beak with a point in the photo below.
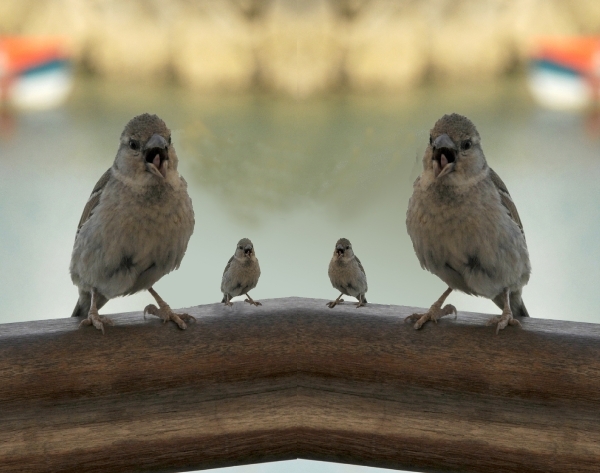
(248, 251)
(156, 155)
(339, 251)
(444, 156)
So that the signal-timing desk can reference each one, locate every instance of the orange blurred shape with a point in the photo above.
(581, 54)
(20, 53)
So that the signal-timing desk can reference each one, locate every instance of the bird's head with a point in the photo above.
(244, 249)
(146, 150)
(343, 249)
(454, 150)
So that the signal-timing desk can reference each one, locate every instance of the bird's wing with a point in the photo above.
(228, 264)
(360, 265)
(94, 199)
(506, 199)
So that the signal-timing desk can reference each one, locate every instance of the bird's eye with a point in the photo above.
(430, 139)
(134, 144)
(169, 140)
(465, 145)
(347, 247)
(240, 248)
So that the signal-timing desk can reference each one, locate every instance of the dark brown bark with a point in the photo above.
(295, 379)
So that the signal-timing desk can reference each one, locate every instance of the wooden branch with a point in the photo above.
(294, 378)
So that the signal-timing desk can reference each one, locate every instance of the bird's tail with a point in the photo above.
(517, 306)
(82, 308)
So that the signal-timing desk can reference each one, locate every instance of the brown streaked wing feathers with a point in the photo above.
(360, 265)
(506, 199)
(228, 264)
(94, 199)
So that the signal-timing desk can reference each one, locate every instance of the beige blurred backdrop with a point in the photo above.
(300, 48)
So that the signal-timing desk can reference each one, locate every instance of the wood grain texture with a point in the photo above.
(295, 379)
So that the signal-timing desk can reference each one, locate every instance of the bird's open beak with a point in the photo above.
(156, 155)
(339, 251)
(248, 251)
(444, 156)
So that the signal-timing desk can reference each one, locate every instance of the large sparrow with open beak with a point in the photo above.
(347, 274)
(241, 273)
(464, 225)
(135, 226)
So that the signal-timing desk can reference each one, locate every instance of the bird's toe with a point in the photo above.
(449, 309)
(180, 323)
(424, 318)
(187, 317)
(412, 318)
(105, 320)
(253, 302)
(434, 314)
(165, 314)
(97, 321)
(503, 321)
(151, 309)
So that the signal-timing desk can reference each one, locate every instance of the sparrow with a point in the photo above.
(464, 225)
(135, 226)
(347, 274)
(241, 273)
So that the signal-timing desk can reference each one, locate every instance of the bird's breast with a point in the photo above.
(130, 242)
(467, 239)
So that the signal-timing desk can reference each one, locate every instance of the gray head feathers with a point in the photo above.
(343, 242)
(245, 242)
(457, 127)
(144, 126)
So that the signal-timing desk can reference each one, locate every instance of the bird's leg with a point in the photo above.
(507, 317)
(361, 301)
(227, 300)
(251, 301)
(434, 313)
(94, 318)
(332, 304)
(165, 313)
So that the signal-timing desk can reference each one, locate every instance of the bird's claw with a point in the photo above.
(434, 313)
(165, 313)
(332, 304)
(252, 301)
(360, 304)
(503, 321)
(97, 321)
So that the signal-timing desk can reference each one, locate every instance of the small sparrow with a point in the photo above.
(135, 226)
(241, 273)
(464, 225)
(347, 274)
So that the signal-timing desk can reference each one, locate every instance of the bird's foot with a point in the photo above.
(228, 303)
(360, 303)
(96, 320)
(503, 320)
(166, 314)
(251, 301)
(332, 304)
(435, 313)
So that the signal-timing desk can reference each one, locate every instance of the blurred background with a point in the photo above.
(297, 123)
